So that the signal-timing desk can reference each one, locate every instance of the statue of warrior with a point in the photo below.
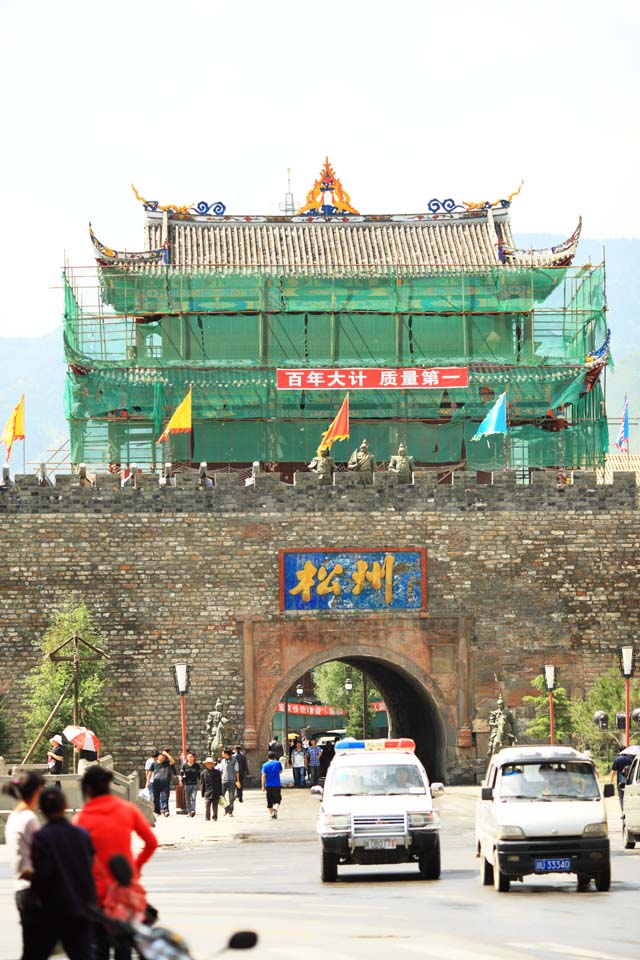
(502, 728)
(215, 728)
(402, 465)
(323, 465)
(363, 462)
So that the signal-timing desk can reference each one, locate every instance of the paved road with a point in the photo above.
(250, 872)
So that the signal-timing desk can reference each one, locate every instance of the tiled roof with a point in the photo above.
(615, 462)
(415, 245)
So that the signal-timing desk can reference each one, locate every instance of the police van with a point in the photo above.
(377, 807)
(542, 812)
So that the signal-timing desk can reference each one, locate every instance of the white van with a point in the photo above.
(631, 812)
(377, 808)
(541, 811)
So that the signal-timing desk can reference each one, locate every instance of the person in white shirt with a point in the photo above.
(20, 828)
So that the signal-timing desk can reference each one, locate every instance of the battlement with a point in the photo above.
(267, 493)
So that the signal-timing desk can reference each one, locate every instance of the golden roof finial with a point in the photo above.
(327, 182)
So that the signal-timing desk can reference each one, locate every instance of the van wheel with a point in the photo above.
(486, 871)
(583, 882)
(603, 880)
(430, 863)
(329, 867)
(500, 880)
(629, 844)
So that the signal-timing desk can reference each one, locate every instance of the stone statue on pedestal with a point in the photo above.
(402, 465)
(363, 462)
(502, 728)
(215, 728)
(323, 465)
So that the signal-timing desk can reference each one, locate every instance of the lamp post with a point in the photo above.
(348, 684)
(550, 676)
(364, 706)
(182, 680)
(626, 662)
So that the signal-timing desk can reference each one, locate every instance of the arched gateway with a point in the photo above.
(419, 664)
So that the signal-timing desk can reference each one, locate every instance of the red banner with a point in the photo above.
(374, 378)
(311, 710)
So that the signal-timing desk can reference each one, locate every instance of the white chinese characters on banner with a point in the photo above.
(373, 378)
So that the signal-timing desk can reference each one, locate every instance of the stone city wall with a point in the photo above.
(540, 574)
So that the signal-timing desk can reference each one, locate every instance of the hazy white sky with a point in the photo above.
(214, 99)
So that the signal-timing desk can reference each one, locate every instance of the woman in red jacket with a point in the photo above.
(110, 822)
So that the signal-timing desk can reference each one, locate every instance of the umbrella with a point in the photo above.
(632, 750)
(82, 738)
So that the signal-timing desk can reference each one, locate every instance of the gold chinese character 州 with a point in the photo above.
(375, 576)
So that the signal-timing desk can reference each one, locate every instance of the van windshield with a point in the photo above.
(556, 780)
(376, 780)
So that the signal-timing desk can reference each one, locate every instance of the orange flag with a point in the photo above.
(180, 421)
(14, 429)
(339, 429)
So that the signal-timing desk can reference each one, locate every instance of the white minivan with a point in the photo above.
(541, 811)
(377, 808)
(631, 812)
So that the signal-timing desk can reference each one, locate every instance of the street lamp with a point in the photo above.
(550, 677)
(299, 689)
(626, 662)
(348, 684)
(182, 680)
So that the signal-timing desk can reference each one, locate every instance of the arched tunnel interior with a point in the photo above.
(411, 711)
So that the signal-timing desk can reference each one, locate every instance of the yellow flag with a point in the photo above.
(14, 429)
(180, 421)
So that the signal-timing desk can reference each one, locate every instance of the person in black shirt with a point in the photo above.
(62, 888)
(211, 780)
(163, 770)
(190, 775)
(243, 770)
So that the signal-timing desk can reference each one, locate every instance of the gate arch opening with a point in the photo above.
(413, 709)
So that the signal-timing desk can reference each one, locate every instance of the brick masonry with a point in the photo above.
(516, 576)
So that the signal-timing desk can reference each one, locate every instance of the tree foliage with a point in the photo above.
(606, 694)
(4, 729)
(539, 727)
(46, 682)
(329, 681)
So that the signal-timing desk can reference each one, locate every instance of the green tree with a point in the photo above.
(606, 694)
(329, 679)
(4, 729)
(46, 682)
(538, 727)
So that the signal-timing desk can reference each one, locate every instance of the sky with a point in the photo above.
(215, 99)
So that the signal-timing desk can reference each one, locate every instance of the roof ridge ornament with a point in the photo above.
(487, 204)
(201, 209)
(327, 182)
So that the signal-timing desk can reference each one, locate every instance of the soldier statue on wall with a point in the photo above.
(402, 465)
(502, 728)
(323, 465)
(215, 728)
(363, 462)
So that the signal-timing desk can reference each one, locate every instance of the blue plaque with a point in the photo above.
(353, 579)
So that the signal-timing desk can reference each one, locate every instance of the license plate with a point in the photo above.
(379, 844)
(552, 866)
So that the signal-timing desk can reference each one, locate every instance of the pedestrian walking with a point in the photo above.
(211, 783)
(190, 776)
(276, 748)
(270, 783)
(55, 757)
(148, 784)
(299, 763)
(243, 770)
(111, 822)
(19, 832)
(619, 772)
(163, 770)
(63, 888)
(314, 752)
(327, 755)
(230, 772)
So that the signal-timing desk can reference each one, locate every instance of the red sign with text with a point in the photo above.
(373, 378)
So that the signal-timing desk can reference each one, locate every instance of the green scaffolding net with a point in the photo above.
(140, 339)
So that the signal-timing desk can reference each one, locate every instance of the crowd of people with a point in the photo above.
(308, 761)
(221, 781)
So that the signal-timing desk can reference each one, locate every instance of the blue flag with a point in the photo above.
(495, 421)
(622, 440)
